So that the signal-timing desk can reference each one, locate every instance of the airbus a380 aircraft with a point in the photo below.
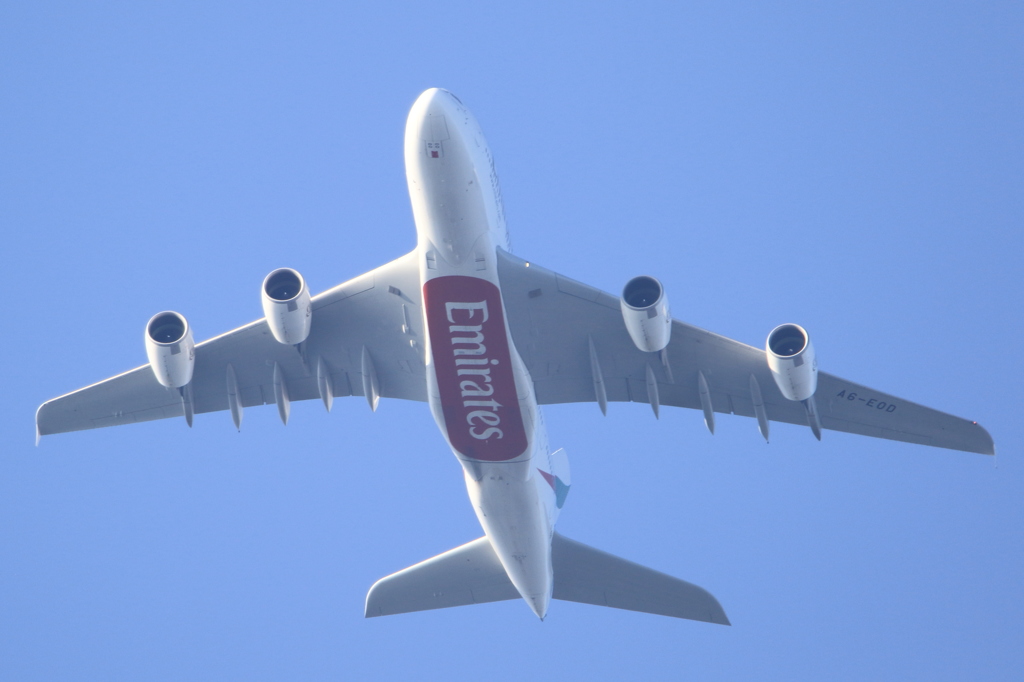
(485, 338)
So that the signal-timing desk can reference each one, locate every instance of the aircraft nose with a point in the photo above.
(436, 101)
(434, 118)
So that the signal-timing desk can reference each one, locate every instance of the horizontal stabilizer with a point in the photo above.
(470, 574)
(473, 574)
(589, 576)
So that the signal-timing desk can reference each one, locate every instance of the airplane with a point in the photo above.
(485, 338)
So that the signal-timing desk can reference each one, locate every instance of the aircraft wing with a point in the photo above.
(555, 321)
(379, 311)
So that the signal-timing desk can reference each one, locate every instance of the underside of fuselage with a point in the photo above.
(479, 390)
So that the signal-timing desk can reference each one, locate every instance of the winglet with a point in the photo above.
(986, 446)
(38, 433)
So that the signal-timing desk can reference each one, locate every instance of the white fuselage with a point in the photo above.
(480, 392)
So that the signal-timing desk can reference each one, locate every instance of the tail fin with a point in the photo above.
(472, 574)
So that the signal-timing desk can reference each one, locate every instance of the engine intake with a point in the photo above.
(170, 349)
(287, 306)
(792, 362)
(646, 313)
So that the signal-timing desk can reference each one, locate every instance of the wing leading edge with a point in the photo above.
(378, 311)
(567, 331)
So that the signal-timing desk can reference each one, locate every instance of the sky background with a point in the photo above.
(856, 169)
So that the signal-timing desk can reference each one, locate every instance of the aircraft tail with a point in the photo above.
(472, 574)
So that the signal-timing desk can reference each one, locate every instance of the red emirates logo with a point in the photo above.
(471, 356)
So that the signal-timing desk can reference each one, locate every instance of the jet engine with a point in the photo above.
(287, 305)
(170, 348)
(646, 314)
(791, 359)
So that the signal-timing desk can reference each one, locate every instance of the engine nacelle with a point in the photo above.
(646, 314)
(791, 359)
(170, 348)
(287, 305)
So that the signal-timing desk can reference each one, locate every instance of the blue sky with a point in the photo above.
(855, 169)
